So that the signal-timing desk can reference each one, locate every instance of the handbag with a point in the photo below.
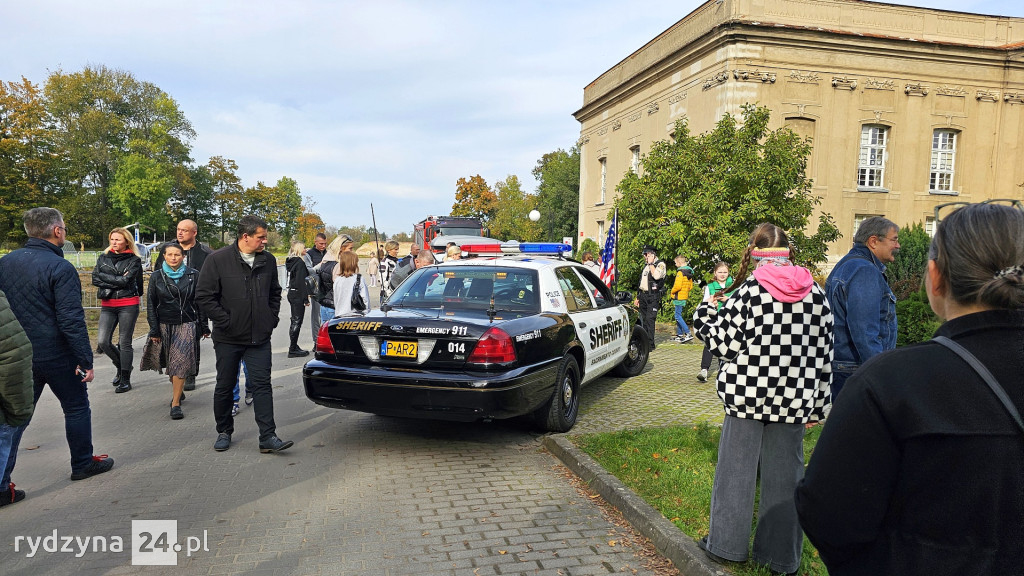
(312, 285)
(985, 375)
(358, 304)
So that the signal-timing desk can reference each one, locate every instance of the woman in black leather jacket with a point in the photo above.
(172, 315)
(298, 296)
(118, 274)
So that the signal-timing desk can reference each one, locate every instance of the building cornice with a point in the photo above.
(811, 38)
(847, 18)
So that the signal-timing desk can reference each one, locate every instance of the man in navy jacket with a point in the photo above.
(46, 296)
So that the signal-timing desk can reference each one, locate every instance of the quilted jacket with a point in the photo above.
(46, 296)
(15, 368)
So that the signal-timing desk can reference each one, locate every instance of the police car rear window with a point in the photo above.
(470, 288)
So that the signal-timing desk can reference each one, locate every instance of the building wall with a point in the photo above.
(825, 68)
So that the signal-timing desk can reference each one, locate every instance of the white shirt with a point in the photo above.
(343, 294)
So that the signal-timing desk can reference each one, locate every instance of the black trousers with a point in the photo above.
(257, 362)
(649, 302)
(298, 309)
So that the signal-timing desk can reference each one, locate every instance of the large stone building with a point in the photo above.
(907, 107)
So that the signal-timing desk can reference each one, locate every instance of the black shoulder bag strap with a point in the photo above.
(985, 375)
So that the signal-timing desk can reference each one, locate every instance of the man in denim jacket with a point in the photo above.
(863, 305)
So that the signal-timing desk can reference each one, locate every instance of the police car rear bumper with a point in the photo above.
(455, 396)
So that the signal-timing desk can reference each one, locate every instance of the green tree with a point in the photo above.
(907, 270)
(511, 219)
(227, 193)
(193, 198)
(104, 116)
(290, 207)
(558, 193)
(702, 195)
(30, 160)
(140, 190)
(474, 198)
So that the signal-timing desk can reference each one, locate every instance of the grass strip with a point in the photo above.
(673, 470)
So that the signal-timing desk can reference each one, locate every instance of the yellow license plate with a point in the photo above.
(398, 349)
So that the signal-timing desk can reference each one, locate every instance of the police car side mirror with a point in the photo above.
(623, 297)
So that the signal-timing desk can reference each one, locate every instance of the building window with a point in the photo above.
(634, 164)
(871, 166)
(859, 219)
(604, 178)
(940, 179)
(929, 226)
(600, 233)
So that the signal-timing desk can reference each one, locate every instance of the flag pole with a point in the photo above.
(615, 250)
(376, 241)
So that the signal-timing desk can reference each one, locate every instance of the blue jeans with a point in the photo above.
(325, 315)
(681, 327)
(112, 317)
(6, 440)
(69, 389)
(242, 370)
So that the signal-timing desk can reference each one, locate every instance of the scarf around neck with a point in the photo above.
(174, 274)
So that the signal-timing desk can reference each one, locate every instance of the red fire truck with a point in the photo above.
(433, 226)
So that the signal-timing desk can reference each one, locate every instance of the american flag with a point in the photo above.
(608, 254)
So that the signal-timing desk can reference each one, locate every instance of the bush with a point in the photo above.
(915, 320)
(588, 245)
(906, 271)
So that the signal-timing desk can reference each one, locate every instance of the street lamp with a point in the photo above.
(534, 215)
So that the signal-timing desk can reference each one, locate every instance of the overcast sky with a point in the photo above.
(382, 101)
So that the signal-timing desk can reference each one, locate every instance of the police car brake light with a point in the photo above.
(323, 341)
(494, 347)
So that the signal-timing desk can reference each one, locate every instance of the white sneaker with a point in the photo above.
(703, 376)
(685, 339)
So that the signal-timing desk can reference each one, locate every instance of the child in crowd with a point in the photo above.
(680, 293)
(719, 288)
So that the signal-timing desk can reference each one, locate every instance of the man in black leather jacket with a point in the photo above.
(240, 293)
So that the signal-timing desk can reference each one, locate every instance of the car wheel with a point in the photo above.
(559, 414)
(636, 356)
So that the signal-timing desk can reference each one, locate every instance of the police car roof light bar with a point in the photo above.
(510, 248)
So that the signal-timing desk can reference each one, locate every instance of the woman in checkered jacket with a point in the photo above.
(774, 335)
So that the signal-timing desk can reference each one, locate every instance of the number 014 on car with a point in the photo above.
(399, 349)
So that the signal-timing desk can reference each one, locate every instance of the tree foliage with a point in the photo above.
(474, 198)
(702, 195)
(105, 118)
(29, 162)
(511, 219)
(108, 149)
(558, 193)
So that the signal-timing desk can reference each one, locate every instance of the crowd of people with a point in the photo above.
(919, 468)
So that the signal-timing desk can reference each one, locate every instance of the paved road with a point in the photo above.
(357, 494)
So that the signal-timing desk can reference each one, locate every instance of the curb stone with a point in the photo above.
(668, 539)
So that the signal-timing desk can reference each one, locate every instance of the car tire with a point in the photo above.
(637, 353)
(560, 412)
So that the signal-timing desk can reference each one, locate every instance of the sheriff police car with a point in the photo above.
(490, 337)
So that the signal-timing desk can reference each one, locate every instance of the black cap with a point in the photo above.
(650, 250)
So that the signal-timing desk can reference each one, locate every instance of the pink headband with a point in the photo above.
(769, 253)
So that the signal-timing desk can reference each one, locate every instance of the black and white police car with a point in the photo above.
(490, 337)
